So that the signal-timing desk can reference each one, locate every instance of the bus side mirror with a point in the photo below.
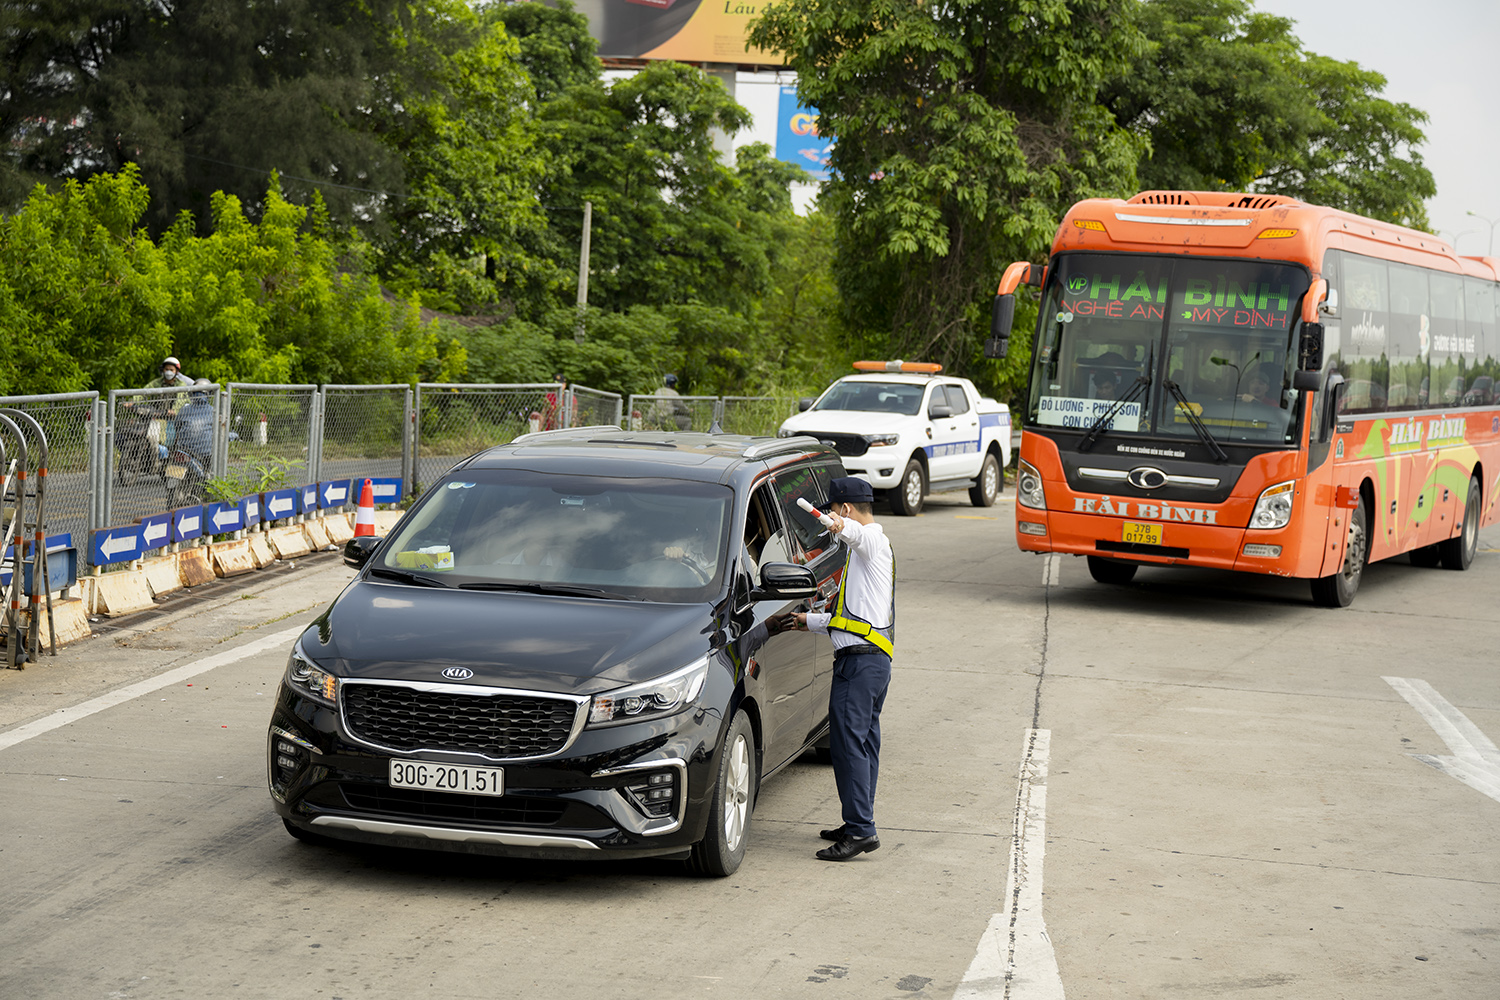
(1310, 348)
(1305, 381)
(1002, 315)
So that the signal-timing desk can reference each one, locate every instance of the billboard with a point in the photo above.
(797, 138)
(683, 30)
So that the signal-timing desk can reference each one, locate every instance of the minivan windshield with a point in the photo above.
(1122, 327)
(633, 539)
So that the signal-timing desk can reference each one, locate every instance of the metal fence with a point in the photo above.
(114, 458)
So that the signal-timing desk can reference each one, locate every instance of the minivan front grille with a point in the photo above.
(499, 726)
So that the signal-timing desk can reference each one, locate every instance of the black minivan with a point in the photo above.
(569, 648)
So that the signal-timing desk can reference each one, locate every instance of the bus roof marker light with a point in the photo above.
(1276, 234)
(1093, 224)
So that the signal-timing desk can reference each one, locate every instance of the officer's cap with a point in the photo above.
(850, 489)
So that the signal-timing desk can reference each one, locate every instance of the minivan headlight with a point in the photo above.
(650, 699)
(306, 678)
(1274, 508)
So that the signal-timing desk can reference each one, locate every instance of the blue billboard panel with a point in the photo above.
(797, 138)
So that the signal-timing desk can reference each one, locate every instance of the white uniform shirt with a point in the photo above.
(868, 582)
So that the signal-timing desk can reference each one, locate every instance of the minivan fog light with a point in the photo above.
(654, 795)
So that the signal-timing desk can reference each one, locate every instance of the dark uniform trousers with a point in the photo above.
(860, 680)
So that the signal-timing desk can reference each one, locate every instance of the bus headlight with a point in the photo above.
(1029, 487)
(1274, 508)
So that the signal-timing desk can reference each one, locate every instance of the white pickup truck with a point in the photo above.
(911, 431)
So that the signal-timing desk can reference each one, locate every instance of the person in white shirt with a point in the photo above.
(863, 628)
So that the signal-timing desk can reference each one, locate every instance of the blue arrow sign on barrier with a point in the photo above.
(156, 531)
(60, 552)
(221, 518)
(250, 509)
(278, 504)
(334, 493)
(112, 545)
(385, 490)
(187, 524)
(309, 498)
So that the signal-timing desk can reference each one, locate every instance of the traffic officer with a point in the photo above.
(863, 629)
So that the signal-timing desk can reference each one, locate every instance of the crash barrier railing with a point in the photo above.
(23, 495)
(123, 463)
(753, 415)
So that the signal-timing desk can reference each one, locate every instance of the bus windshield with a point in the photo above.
(1184, 341)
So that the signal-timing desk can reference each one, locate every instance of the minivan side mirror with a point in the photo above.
(785, 581)
(357, 551)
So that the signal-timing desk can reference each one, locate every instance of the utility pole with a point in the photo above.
(583, 270)
(1491, 251)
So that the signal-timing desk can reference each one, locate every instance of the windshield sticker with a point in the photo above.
(1257, 305)
(1071, 411)
(436, 557)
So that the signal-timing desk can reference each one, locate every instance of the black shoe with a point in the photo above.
(848, 847)
(837, 833)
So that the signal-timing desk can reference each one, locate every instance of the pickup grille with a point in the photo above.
(852, 445)
(498, 726)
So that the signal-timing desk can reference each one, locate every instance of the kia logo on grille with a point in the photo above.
(1146, 478)
(458, 673)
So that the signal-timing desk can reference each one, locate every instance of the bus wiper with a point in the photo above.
(407, 577)
(1192, 418)
(1103, 420)
(548, 588)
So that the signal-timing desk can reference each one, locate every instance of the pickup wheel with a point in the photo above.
(906, 498)
(989, 485)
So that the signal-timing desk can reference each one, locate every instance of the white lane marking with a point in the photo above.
(1051, 570)
(1014, 959)
(119, 696)
(1475, 760)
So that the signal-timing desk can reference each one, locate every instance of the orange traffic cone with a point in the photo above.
(364, 515)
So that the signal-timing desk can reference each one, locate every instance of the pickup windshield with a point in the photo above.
(1220, 330)
(873, 397)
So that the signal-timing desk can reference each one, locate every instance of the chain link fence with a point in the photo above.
(120, 458)
(69, 424)
(268, 437)
(364, 432)
(755, 415)
(454, 420)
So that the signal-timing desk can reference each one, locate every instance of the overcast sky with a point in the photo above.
(1441, 56)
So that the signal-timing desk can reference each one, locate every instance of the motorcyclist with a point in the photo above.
(669, 412)
(171, 375)
(195, 422)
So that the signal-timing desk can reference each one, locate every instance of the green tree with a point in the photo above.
(458, 115)
(1228, 100)
(963, 131)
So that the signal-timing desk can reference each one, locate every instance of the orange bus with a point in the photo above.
(1248, 382)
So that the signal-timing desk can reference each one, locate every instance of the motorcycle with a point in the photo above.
(186, 474)
(136, 444)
